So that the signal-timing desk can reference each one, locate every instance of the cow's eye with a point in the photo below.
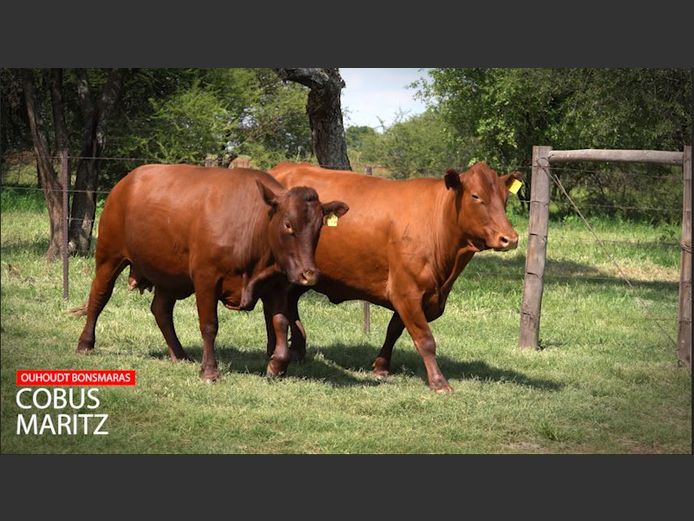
(288, 227)
(476, 197)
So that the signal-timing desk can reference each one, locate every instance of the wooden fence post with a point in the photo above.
(367, 306)
(537, 249)
(684, 337)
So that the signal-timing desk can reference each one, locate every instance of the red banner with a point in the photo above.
(73, 377)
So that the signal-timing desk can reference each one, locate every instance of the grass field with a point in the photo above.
(605, 381)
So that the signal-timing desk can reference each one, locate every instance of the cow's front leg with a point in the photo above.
(412, 316)
(276, 311)
(206, 300)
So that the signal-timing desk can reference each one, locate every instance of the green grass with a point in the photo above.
(606, 380)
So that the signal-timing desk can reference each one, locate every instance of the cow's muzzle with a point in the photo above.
(307, 277)
(505, 242)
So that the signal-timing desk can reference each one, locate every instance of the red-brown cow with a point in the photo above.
(402, 246)
(230, 236)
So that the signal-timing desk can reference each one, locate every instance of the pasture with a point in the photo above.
(605, 381)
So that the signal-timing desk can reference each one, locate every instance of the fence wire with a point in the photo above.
(525, 167)
(621, 273)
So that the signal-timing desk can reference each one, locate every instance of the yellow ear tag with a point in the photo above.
(330, 219)
(515, 186)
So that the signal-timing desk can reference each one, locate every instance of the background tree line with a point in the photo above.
(148, 115)
(496, 115)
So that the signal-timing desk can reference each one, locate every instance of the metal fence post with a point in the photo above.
(537, 250)
(367, 306)
(65, 181)
(684, 336)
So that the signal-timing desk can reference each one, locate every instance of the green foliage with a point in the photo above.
(174, 115)
(220, 113)
(275, 128)
(186, 127)
(502, 113)
(419, 146)
(356, 135)
(510, 110)
(16, 199)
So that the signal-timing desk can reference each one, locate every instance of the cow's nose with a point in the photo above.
(508, 242)
(309, 277)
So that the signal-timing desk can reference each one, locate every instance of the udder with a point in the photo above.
(137, 281)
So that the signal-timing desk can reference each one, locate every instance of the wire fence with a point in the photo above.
(545, 175)
(594, 240)
(18, 185)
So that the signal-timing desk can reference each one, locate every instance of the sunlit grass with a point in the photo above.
(606, 380)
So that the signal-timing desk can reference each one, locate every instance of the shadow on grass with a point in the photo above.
(557, 272)
(234, 360)
(361, 356)
(37, 247)
(335, 363)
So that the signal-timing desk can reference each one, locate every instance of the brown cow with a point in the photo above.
(402, 246)
(227, 236)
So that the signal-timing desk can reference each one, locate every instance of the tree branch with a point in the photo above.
(313, 78)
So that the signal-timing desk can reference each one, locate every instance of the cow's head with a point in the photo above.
(296, 218)
(481, 197)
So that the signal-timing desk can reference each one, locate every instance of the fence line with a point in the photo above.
(106, 192)
(617, 206)
(672, 176)
(555, 179)
(622, 275)
(538, 227)
(39, 189)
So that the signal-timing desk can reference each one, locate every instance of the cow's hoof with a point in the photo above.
(381, 368)
(297, 356)
(85, 348)
(381, 374)
(180, 357)
(441, 387)
(275, 368)
(209, 375)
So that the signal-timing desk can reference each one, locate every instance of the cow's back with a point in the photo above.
(166, 218)
(387, 228)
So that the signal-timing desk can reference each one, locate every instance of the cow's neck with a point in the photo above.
(260, 257)
(452, 250)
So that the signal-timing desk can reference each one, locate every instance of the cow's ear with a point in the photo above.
(510, 178)
(452, 179)
(335, 207)
(267, 194)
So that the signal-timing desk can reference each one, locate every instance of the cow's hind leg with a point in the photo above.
(297, 349)
(381, 365)
(162, 309)
(102, 287)
(415, 321)
(269, 329)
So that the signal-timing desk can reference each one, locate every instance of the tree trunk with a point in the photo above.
(95, 117)
(324, 113)
(47, 175)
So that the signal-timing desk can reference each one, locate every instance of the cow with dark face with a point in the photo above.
(233, 236)
(402, 246)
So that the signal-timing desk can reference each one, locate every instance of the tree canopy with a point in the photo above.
(504, 112)
(498, 115)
